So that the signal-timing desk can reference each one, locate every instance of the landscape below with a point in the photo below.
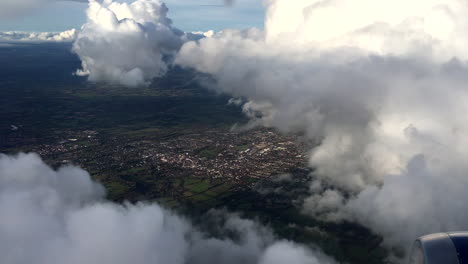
(173, 142)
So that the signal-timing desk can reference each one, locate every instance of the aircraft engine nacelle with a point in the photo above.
(440, 248)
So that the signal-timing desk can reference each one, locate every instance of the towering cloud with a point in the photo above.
(60, 216)
(380, 85)
(427, 28)
(126, 43)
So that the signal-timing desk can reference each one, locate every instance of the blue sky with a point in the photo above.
(188, 15)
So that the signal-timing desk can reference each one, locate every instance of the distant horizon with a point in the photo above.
(209, 15)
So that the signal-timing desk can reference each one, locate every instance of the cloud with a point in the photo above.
(12, 8)
(126, 43)
(229, 2)
(422, 197)
(60, 216)
(379, 85)
(19, 36)
(286, 252)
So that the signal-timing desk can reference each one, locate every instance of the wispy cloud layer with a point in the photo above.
(20, 36)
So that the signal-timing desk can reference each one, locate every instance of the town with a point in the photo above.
(211, 157)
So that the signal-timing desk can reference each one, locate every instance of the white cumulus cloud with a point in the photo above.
(60, 216)
(125, 43)
(379, 85)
